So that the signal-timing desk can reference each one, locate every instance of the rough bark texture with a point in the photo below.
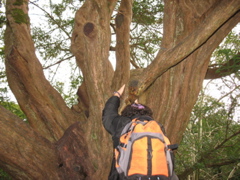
(63, 143)
(180, 84)
(123, 21)
(25, 154)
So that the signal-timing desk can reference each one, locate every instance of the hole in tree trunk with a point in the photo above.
(88, 28)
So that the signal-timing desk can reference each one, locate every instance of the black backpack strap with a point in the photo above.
(162, 128)
(173, 146)
(141, 177)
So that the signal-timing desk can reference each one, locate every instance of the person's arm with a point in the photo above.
(119, 92)
(110, 111)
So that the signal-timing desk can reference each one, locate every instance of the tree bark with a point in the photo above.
(25, 154)
(123, 21)
(173, 93)
(71, 143)
(45, 109)
(186, 44)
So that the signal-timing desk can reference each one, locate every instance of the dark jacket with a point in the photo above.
(114, 124)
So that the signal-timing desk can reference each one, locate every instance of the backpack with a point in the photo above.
(143, 151)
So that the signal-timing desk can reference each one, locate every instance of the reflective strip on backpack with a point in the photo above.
(123, 160)
(136, 136)
(169, 160)
(129, 126)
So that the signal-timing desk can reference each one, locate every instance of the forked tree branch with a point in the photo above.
(43, 105)
(171, 57)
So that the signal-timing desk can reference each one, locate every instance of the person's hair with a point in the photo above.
(136, 109)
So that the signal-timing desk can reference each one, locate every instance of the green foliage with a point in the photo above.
(227, 49)
(1, 51)
(70, 97)
(4, 175)
(146, 31)
(147, 12)
(2, 20)
(6, 102)
(14, 108)
(53, 32)
(48, 46)
(18, 2)
(52, 37)
(228, 53)
(210, 147)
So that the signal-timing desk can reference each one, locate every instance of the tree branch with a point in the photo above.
(204, 156)
(90, 43)
(123, 20)
(230, 67)
(225, 140)
(58, 62)
(43, 105)
(222, 162)
(52, 18)
(23, 151)
(170, 57)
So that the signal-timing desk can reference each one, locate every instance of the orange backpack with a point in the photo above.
(143, 151)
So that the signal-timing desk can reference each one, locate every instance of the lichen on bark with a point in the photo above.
(18, 2)
(19, 16)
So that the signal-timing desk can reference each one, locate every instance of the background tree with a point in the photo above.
(71, 142)
(210, 148)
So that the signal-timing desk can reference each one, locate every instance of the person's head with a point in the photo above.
(136, 109)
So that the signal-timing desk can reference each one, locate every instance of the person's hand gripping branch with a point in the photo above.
(136, 101)
(119, 92)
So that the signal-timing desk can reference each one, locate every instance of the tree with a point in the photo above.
(70, 143)
(210, 145)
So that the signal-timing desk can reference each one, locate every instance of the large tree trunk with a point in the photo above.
(64, 143)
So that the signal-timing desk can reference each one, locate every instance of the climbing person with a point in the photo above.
(131, 131)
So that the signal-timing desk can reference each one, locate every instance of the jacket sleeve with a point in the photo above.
(111, 120)
(110, 112)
